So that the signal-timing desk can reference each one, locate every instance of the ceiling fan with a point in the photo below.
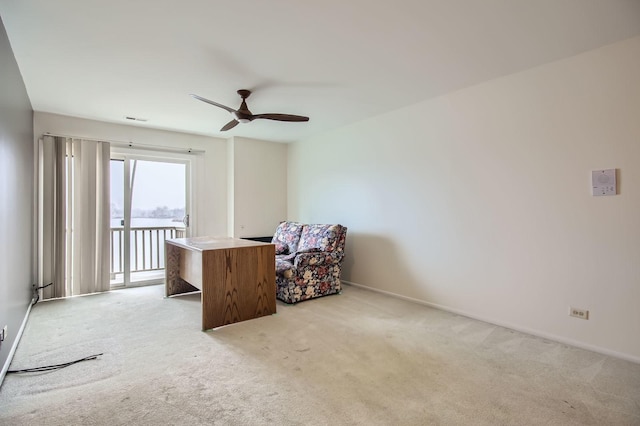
(243, 115)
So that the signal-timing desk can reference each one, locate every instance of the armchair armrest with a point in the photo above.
(316, 258)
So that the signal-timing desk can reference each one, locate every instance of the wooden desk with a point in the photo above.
(237, 278)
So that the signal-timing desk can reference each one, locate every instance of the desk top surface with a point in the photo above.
(213, 243)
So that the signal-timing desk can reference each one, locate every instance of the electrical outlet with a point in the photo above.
(3, 334)
(579, 313)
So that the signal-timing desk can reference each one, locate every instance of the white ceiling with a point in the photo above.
(336, 61)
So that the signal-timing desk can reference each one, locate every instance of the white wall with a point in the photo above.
(479, 201)
(230, 185)
(16, 201)
(210, 189)
(260, 186)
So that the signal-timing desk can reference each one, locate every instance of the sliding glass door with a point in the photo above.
(149, 204)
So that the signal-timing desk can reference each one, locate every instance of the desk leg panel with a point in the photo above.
(266, 281)
(173, 283)
(238, 284)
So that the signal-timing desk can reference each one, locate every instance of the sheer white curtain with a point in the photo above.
(73, 216)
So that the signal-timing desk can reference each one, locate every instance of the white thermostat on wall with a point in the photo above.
(603, 182)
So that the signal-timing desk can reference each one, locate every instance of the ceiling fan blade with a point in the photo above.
(281, 117)
(212, 103)
(230, 125)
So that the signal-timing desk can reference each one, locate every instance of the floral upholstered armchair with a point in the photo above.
(308, 260)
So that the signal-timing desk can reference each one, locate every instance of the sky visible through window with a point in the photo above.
(158, 189)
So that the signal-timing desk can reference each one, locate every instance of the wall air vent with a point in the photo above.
(136, 119)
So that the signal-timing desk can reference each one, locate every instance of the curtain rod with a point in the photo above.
(132, 144)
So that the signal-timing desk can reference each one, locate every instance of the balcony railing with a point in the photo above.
(147, 248)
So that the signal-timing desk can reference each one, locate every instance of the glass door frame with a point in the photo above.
(126, 155)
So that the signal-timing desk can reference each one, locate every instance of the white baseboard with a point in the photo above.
(12, 352)
(548, 336)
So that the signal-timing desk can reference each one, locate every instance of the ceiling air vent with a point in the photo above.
(136, 119)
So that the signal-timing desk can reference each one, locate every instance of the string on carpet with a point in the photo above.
(53, 367)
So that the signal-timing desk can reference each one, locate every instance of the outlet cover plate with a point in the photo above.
(579, 313)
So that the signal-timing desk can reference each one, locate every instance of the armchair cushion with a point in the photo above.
(321, 237)
(286, 237)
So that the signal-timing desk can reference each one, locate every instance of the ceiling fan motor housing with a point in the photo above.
(241, 116)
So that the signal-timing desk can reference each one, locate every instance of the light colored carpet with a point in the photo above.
(355, 358)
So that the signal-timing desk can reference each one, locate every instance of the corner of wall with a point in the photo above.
(230, 185)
